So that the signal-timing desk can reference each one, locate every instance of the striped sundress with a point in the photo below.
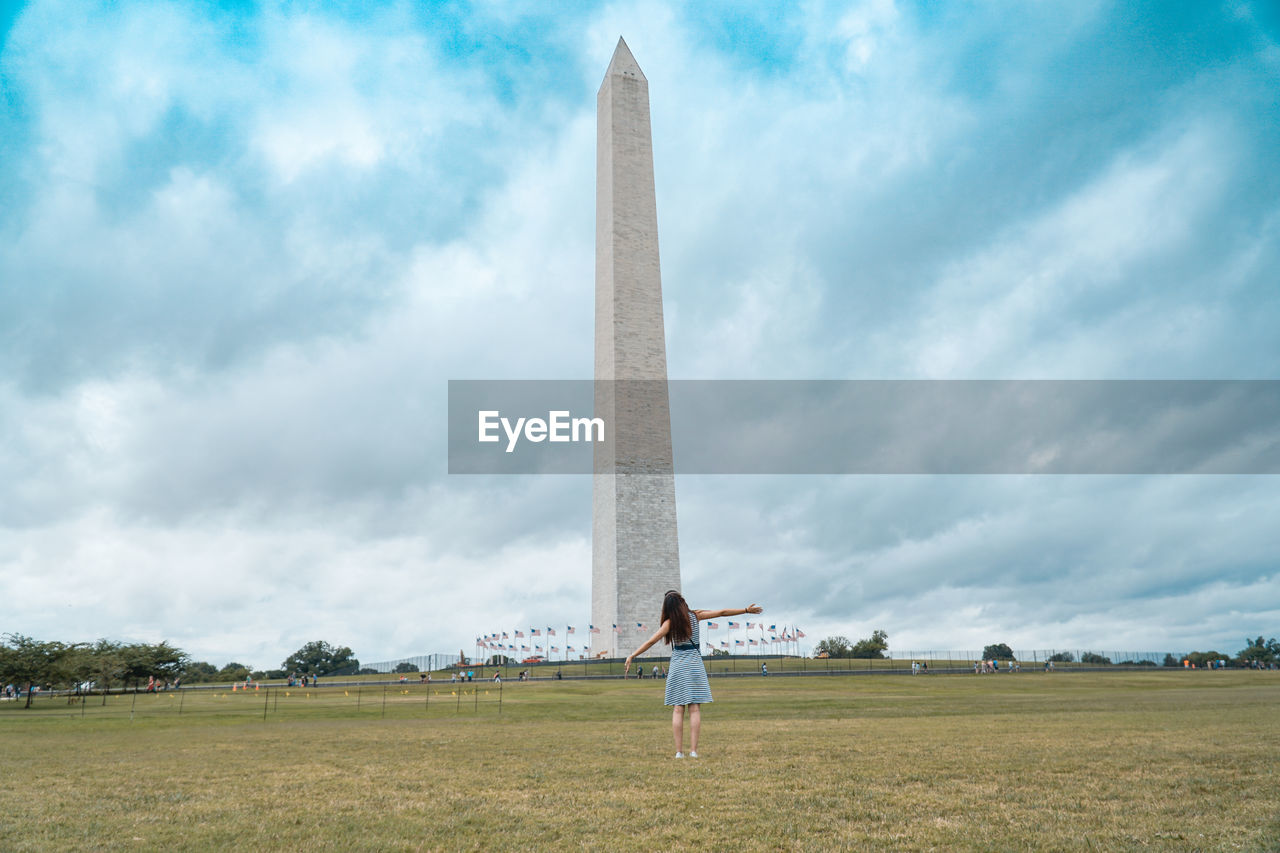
(687, 677)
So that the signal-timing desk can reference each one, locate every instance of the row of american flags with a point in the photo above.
(770, 636)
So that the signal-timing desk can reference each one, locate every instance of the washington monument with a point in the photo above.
(635, 556)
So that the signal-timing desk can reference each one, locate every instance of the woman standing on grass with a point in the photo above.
(687, 678)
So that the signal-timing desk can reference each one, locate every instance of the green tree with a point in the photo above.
(1095, 658)
(835, 647)
(1170, 660)
(1200, 660)
(319, 658)
(109, 665)
(199, 671)
(404, 668)
(1262, 651)
(80, 664)
(233, 672)
(1061, 657)
(30, 662)
(998, 651)
(872, 647)
(143, 660)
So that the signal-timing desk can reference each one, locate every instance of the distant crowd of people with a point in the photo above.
(984, 666)
(656, 672)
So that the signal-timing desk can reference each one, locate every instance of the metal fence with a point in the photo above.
(451, 692)
(416, 663)
(268, 702)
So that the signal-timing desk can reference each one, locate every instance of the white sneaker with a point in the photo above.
(693, 755)
(679, 755)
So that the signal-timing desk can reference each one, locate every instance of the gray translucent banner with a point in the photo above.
(865, 427)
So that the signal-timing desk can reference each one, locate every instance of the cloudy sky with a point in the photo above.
(242, 251)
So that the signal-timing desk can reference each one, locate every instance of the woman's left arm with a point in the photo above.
(733, 611)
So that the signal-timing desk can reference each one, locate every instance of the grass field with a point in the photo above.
(1102, 761)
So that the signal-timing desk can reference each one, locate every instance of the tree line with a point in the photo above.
(1256, 651)
(27, 663)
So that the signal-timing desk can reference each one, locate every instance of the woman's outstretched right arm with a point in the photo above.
(658, 635)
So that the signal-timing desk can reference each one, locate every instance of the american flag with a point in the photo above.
(519, 634)
(640, 625)
(713, 624)
(551, 632)
(750, 625)
(569, 649)
(711, 645)
(569, 630)
(752, 642)
(523, 647)
(737, 642)
(504, 636)
(773, 627)
(616, 629)
(734, 625)
(724, 644)
(535, 632)
(800, 633)
(593, 629)
(554, 649)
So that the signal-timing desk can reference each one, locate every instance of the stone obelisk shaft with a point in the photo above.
(635, 553)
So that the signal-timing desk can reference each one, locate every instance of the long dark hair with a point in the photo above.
(676, 611)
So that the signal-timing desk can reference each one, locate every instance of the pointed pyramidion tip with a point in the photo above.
(623, 62)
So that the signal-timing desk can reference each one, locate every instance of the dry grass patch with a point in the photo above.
(1170, 761)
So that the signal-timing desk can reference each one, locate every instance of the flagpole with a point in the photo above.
(732, 649)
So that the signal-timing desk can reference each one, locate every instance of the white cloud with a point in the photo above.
(1012, 308)
(864, 27)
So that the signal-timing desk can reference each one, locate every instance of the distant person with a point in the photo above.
(687, 685)
(656, 671)
(764, 668)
